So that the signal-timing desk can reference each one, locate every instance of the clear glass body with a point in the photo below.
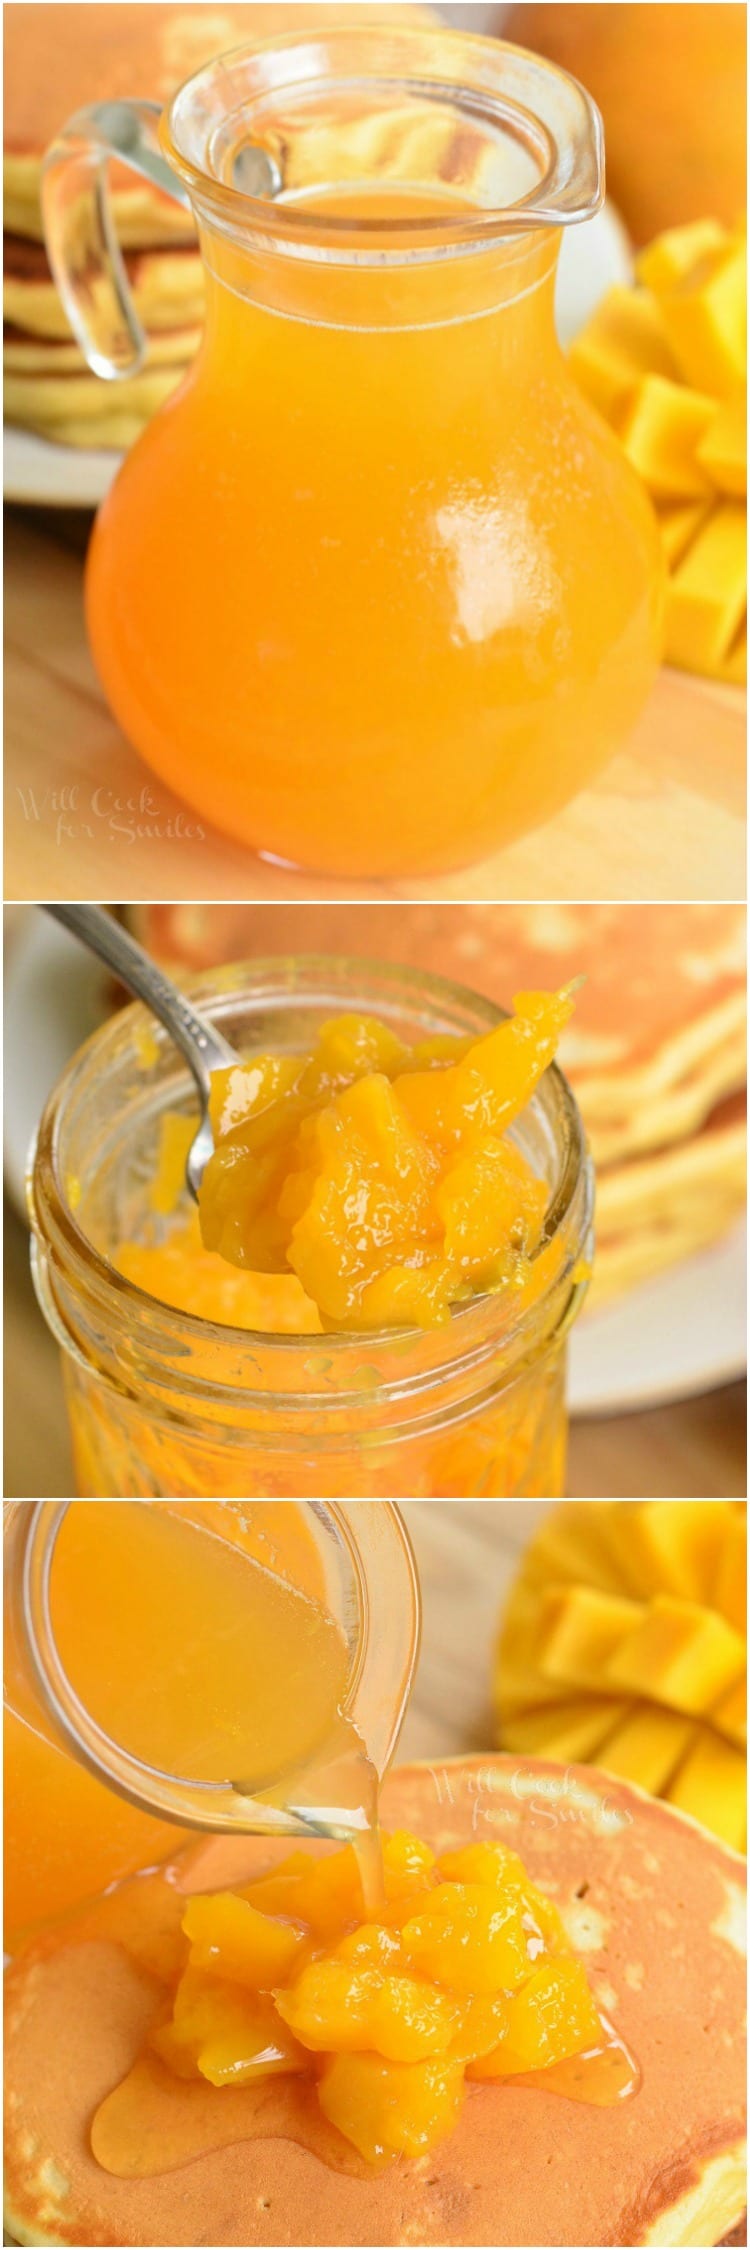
(377, 540)
(81, 1811)
(165, 1403)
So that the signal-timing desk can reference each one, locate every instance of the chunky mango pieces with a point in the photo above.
(466, 1972)
(383, 1177)
(665, 362)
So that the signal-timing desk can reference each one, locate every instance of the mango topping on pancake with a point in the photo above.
(650, 1902)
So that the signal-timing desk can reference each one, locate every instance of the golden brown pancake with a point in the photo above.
(78, 409)
(655, 1907)
(24, 354)
(167, 288)
(663, 1207)
(49, 387)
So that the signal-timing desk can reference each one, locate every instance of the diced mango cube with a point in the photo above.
(232, 1938)
(340, 2006)
(729, 1715)
(329, 1894)
(730, 1587)
(495, 1865)
(646, 1746)
(570, 1730)
(579, 1630)
(704, 316)
(374, 1946)
(672, 1550)
(625, 338)
(391, 2109)
(552, 2017)
(570, 1545)
(680, 525)
(484, 1863)
(470, 1938)
(681, 1654)
(707, 596)
(407, 1863)
(712, 1787)
(723, 450)
(484, 2022)
(679, 251)
(660, 430)
(230, 2037)
(276, 1892)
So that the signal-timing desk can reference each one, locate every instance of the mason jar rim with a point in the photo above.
(275, 979)
(569, 188)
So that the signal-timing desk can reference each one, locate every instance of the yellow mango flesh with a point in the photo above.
(466, 1970)
(553, 2017)
(230, 1937)
(704, 317)
(381, 1180)
(678, 252)
(625, 338)
(669, 374)
(625, 1645)
(661, 430)
(722, 453)
(679, 525)
(707, 594)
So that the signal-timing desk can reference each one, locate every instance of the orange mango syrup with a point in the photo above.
(200, 1639)
(376, 591)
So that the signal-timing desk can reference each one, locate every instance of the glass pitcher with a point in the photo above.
(83, 1811)
(376, 591)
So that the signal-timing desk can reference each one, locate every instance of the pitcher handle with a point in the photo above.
(82, 246)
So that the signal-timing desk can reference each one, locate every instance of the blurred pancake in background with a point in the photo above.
(656, 1051)
(60, 58)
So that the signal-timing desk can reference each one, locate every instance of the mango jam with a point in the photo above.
(465, 1971)
(365, 1184)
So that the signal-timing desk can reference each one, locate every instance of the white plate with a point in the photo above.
(36, 473)
(54, 992)
(681, 1333)
(676, 1336)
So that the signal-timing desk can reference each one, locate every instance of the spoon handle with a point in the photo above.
(203, 1048)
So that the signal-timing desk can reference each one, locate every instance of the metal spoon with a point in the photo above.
(203, 1048)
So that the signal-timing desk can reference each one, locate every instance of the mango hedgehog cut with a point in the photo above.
(624, 1642)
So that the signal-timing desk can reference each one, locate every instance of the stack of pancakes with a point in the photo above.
(655, 1051)
(59, 59)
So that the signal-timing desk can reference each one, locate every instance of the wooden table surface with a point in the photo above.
(467, 1554)
(694, 1450)
(665, 821)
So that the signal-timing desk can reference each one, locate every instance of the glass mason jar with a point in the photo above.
(376, 590)
(81, 1811)
(164, 1402)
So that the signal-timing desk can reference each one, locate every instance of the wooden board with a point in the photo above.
(665, 821)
